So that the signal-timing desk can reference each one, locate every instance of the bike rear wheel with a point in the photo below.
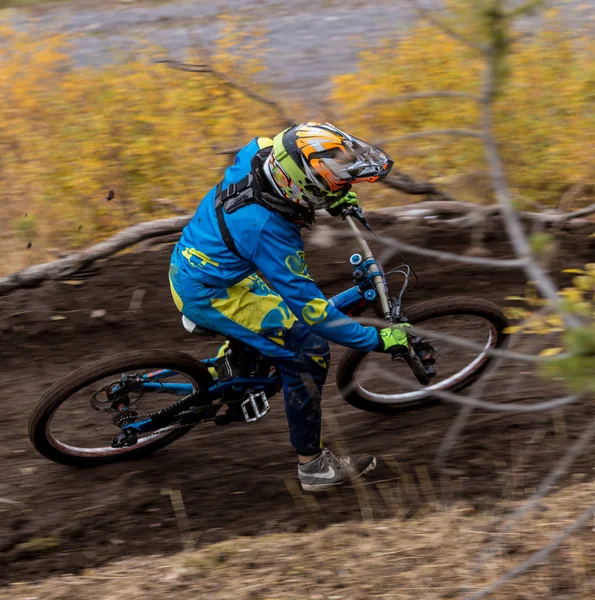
(66, 428)
(373, 382)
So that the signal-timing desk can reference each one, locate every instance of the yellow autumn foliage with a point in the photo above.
(572, 358)
(578, 298)
(544, 116)
(68, 135)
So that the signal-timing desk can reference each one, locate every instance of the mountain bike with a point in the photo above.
(131, 404)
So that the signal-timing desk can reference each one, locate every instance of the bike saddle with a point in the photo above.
(191, 327)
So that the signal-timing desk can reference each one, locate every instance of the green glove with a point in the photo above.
(349, 199)
(393, 340)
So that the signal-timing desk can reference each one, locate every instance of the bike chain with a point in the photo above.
(169, 427)
(126, 417)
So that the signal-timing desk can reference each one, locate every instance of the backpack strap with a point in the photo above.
(221, 197)
(233, 188)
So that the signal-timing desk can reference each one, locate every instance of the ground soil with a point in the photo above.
(441, 555)
(240, 480)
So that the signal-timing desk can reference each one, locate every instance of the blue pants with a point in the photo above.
(303, 378)
(252, 312)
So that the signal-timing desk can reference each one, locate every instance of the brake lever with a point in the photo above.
(357, 213)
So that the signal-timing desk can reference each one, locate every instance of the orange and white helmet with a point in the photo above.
(315, 164)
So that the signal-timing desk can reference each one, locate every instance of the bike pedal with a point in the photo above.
(430, 370)
(128, 437)
(255, 406)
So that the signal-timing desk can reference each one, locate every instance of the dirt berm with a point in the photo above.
(240, 480)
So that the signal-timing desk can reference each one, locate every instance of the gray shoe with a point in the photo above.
(329, 470)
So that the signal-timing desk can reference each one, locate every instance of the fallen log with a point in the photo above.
(455, 210)
(457, 213)
(66, 267)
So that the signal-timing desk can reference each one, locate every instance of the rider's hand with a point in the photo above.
(349, 199)
(393, 340)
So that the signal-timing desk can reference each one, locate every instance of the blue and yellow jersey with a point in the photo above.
(270, 244)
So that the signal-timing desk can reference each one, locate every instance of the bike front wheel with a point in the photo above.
(376, 383)
(76, 419)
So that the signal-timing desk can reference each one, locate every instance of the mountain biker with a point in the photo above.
(251, 222)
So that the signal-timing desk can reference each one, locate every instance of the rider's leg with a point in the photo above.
(303, 377)
(253, 313)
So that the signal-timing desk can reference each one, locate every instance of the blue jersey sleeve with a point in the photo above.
(279, 255)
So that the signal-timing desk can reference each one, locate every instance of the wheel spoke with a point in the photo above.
(390, 384)
(80, 427)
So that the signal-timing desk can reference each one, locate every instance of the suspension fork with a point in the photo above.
(382, 305)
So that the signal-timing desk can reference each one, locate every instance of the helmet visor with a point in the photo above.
(358, 162)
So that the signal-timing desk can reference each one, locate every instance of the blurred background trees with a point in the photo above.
(158, 136)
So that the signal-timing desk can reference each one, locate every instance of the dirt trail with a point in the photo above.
(240, 479)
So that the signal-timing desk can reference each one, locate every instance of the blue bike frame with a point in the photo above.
(351, 302)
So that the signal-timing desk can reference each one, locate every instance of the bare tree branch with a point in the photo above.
(425, 13)
(581, 212)
(450, 256)
(454, 208)
(474, 402)
(437, 209)
(511, 219)
(408, 185)
(417, 96)
(538, 556)
(433, 133)
(191, 68)
(68, 265)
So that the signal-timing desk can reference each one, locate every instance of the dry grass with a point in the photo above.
(431, 557)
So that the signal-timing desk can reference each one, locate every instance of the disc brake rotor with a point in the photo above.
(115, 396)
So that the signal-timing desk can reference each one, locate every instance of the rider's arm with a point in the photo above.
(279, 255)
